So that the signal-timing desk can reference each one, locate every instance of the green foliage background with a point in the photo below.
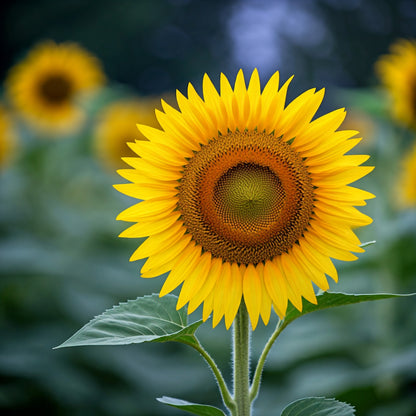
(61, 262)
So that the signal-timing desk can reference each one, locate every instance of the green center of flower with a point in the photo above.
(55, 89)
(246, 197)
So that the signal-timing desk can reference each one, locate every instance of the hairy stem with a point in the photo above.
(255, 386)
(225, 393)
(241, 356)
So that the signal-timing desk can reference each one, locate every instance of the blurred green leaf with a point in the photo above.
(318, 406)
(146, 319)
(196, 409)
(372, 101)
(330, 300)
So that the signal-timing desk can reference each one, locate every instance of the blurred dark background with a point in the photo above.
(61, 262)
(159, 45)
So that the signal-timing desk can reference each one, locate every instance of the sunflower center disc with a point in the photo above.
(246, 197)
(55, 89)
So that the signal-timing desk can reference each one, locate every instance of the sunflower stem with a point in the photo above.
(255, 386)
(225, 393)
(241, 356)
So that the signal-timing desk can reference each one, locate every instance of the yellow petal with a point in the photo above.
(328, 142)
(266, 301)
(160, 137)
(309, 271)
(293, 295)
(270, 91)
(252, 291)
(272, 104)
(342, 178)
(342, 242)
(182, 125)
(208, 285)
(338, 165)
(340, 231)
(147, 191)
(221, 293)
(142, 168)
(234, 287)
(165, 256)
(152, 208)
(349, 194)
(319, 260)
(227, 95)
(203, 117)
(159, 270)
(297, 280)
(278, 312)
(241, 99)
(215, 104)
(185, 262)
(160, 153)
(299, 113)
(253, 93)
(349, 216)
(146, 180)
(194, 280)
(144, 229)
(158, 242)
(276, 285)
(320, 131)
(327, 249)
(315, 155)
(208, 306)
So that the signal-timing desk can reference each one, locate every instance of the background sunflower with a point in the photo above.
(397, 72)
(60, 259)
(8, 138)
(46, 87)
(116, 125)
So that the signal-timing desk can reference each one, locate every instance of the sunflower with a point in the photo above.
(244, 198)
(7, 138)
(116, 126)
(407, 186)
(397, 72)
(45, 86)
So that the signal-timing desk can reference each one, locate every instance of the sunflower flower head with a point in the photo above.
(116, 125)
(407, 184)
(8, 138)
(244, 198)
(397, 72)
(46, 85)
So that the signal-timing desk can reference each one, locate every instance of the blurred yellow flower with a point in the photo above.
(46, 85)
(8, 138)
(116, 125)
(244, 199)
(407, 186)
(397, 72)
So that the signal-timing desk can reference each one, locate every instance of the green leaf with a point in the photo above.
(146, 319)
(196, 409)
(330, 300)
(318, 406)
